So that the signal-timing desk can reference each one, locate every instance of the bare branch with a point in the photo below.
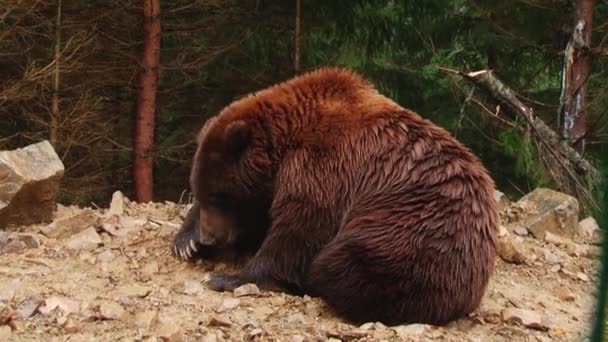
(563, 155)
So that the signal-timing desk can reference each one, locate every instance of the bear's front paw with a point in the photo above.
(222, 282)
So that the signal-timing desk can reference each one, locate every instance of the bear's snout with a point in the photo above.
(207, 239)
(214, 229)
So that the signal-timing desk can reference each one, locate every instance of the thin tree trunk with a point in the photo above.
(572, 112)
(491, 57)
(54, 126)
(296, 50)
(143, 176)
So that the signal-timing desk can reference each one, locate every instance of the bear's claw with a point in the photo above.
(185, 245)
(184, 250)
(193, 246)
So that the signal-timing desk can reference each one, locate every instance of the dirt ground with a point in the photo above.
(86, 284)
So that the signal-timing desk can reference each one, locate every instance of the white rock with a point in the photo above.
(71, 225)
(582, 276)
(131, 223)
(114, 229)
(66, 305)
(247, 290)
(134, 290)
(551, 258)
(229, 304)
(590, 230)
(366, 326)
(506, 248)
(27, 309)
(218, 321)
(111, 311)
(411, 331)
(520, 230)
(86, 240)
(297, 338)
(193, 287)
(117, 206)
(145, 320)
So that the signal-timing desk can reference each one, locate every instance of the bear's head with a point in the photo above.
(230, 181)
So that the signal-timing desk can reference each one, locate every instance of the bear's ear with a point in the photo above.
(236, 136)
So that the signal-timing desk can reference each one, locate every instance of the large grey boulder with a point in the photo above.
(550, 211)
(29, 183)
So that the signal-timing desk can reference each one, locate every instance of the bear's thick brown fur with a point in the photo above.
(372, 208)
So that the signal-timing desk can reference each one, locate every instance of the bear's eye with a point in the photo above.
(218, 200)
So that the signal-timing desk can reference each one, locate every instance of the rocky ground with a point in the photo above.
(108, 275)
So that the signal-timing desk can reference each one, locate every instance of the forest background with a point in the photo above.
(120, 87)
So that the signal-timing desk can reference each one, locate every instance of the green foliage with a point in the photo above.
(525, 154)
(215, 51)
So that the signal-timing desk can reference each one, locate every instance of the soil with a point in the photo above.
(94, 286)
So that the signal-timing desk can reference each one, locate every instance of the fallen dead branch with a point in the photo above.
(574, 167)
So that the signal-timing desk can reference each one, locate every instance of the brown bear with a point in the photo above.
(349, 197)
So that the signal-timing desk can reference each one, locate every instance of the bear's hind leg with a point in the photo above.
(353, 291)
(362, 285)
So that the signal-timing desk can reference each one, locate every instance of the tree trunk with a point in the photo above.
(491, 57)
(143, 176)
(296, 49)
(572, 112)
(54, 126)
